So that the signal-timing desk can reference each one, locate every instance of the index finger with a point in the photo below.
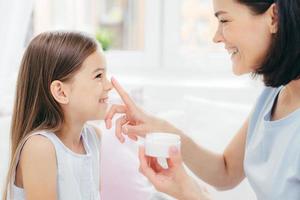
(123, 94)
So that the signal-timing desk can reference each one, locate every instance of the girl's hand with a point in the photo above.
(173, 181)
(135, 122)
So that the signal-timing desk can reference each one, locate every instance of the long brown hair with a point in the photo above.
(50, 56)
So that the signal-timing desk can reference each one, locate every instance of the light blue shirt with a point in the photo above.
(272, 156)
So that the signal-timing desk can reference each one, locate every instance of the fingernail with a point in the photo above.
(113, 79)
(109, 124)
(123, 140)
(174, 150)
(125, 129)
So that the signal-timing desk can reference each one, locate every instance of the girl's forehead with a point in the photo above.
(94, 61)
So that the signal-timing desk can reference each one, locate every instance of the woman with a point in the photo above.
(263, 38)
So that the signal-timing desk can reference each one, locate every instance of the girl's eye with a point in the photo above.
(99, 76)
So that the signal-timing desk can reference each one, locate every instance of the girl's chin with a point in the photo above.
(96, 118)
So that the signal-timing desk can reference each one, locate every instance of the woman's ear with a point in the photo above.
(273, 18)
(59, 92)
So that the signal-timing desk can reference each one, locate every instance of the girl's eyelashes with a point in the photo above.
(99, 76)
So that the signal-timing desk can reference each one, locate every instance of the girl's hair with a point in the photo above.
(50, 56)
(282, 65)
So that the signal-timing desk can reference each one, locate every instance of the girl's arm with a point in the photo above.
(39, 169)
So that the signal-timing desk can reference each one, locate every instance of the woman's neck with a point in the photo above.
(292, 93)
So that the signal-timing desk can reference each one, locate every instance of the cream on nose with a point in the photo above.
(108, 85)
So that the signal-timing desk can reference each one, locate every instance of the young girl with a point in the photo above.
(61, 85)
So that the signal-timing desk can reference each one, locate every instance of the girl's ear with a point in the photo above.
(59, 92)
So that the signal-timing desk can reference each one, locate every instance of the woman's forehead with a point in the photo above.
(231, 7)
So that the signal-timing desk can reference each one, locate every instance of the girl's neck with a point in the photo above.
(70, 135)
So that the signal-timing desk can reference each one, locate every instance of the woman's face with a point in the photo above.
(246, 36)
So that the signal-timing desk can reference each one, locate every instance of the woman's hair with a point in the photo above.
(282, 63)
(50, 56)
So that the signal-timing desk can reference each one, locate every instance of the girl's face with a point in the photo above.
(88, 89)
(247, 37)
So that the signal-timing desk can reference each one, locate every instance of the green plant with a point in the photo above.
(105, 38)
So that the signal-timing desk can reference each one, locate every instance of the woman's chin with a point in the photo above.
(239, 70)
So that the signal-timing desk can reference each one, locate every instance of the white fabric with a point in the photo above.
(120, 176)
(78, 174)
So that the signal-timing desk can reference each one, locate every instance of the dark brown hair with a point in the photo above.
(282, 65)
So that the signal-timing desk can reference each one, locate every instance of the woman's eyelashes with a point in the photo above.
(223, 21)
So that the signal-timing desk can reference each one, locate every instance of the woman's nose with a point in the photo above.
(218, 37)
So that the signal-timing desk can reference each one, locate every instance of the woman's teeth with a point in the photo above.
(233, 51)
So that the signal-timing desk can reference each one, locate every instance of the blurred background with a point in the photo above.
(160, 50)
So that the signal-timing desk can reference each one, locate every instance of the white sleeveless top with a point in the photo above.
(78, 175)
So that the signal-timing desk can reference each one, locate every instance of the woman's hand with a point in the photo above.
(173, 181)
(135, 122)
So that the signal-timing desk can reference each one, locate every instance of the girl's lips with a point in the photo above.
(103, 100)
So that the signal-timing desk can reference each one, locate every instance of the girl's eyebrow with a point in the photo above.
(98, 69)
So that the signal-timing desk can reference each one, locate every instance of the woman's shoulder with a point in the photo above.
(267, 95)
(267, 91)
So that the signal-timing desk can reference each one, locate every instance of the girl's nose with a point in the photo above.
(108, 85)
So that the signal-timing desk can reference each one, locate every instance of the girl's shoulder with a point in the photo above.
(92, 127)
(38, 149)
(37, 163)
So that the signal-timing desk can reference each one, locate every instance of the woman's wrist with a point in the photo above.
(189, 190)
(193, 191)
(166, 127)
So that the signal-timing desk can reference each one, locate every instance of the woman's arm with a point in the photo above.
(38, 168)
(223, 171)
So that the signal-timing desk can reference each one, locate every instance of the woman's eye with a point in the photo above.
(99, 76)
(223, 21)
